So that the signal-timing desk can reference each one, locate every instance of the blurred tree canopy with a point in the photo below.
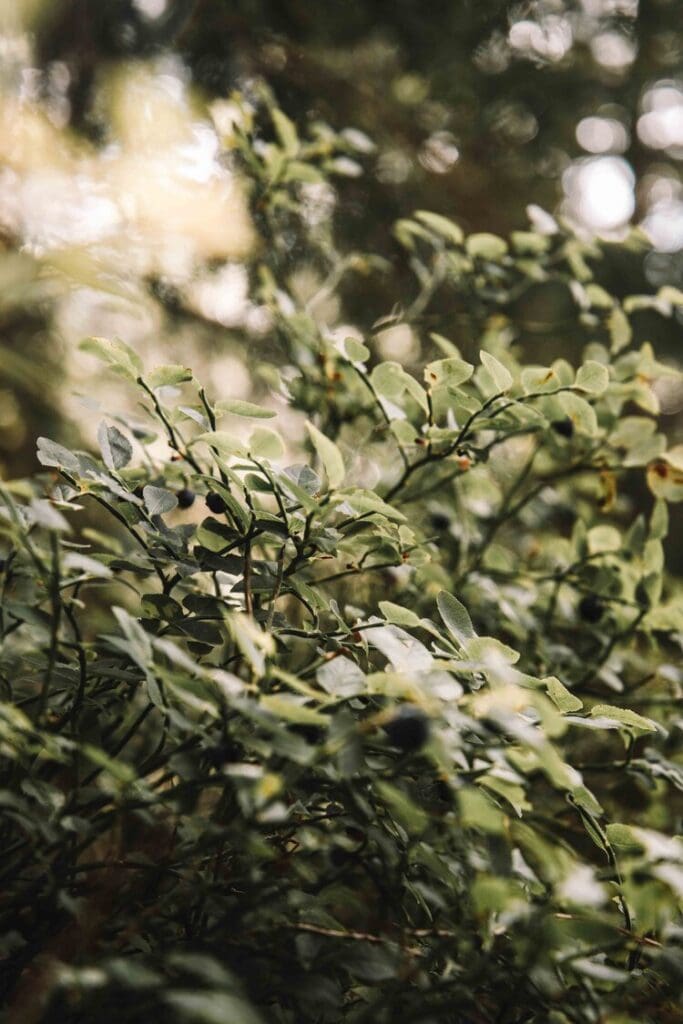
(472, 109)
(474, 104)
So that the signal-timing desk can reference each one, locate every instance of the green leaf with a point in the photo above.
(624, 716)
(163, 376)
(478, 811)
(620, 329)
(330, 456)
(408, 815)
(341, 677)
(138, 643)
(405, 653)
(562, 698)
(363, 501)
(116, 449)
(158, 500)
(579, 411)
(117, 769)
(489, 650)
(500, 376)
(266, 444)
(222, 442)
(120, 357)
(43, 513)
(623, 836)
(391, 381)
(355, 350)
(238, 407)
(592, 377)
(486, 246)
(214, 535)
(445, 345)
(289, 708)
(286, 132)
(398, 615)
(449, 372)
(441, 225)
(538, 379)
(455, 617)
(52, 454)
(659, 520)
(210, 1007)
(668, 293)
(530, 243)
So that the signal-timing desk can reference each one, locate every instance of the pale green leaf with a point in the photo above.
(624, 716)
(592, 377)
(499, 374)
(222, 442)
(398, 615)
(449, 372)
(163, 376)
(266, 444)
(238, 407)
(455, 617)
(120, 357)
(286, 132)
(486, 246)
(441, 225)
(116, 449)
(158, 500)
(330, 456)
(562, 698)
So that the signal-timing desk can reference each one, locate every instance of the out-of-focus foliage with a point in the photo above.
(121, 188)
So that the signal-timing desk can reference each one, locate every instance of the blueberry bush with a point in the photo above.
(359, 701)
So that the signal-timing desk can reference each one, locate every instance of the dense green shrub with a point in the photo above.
(377, 725)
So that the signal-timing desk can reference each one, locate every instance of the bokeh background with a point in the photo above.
(125, 211)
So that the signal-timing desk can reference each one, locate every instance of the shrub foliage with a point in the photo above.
(376, 724)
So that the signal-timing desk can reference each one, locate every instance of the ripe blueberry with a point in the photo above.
(438, 521)
(565, 427)
(408, 729)
(185, 497)
(591, 608)
(215, 503)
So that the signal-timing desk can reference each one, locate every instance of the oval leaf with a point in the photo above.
(330, 456)
(455, 617)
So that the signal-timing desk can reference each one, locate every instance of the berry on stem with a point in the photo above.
(185, 497)
(215, 503)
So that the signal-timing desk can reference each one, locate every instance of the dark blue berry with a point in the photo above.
(185, 497)
(215, 503)
(591, 608)
(565, 428)
(408, 729)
